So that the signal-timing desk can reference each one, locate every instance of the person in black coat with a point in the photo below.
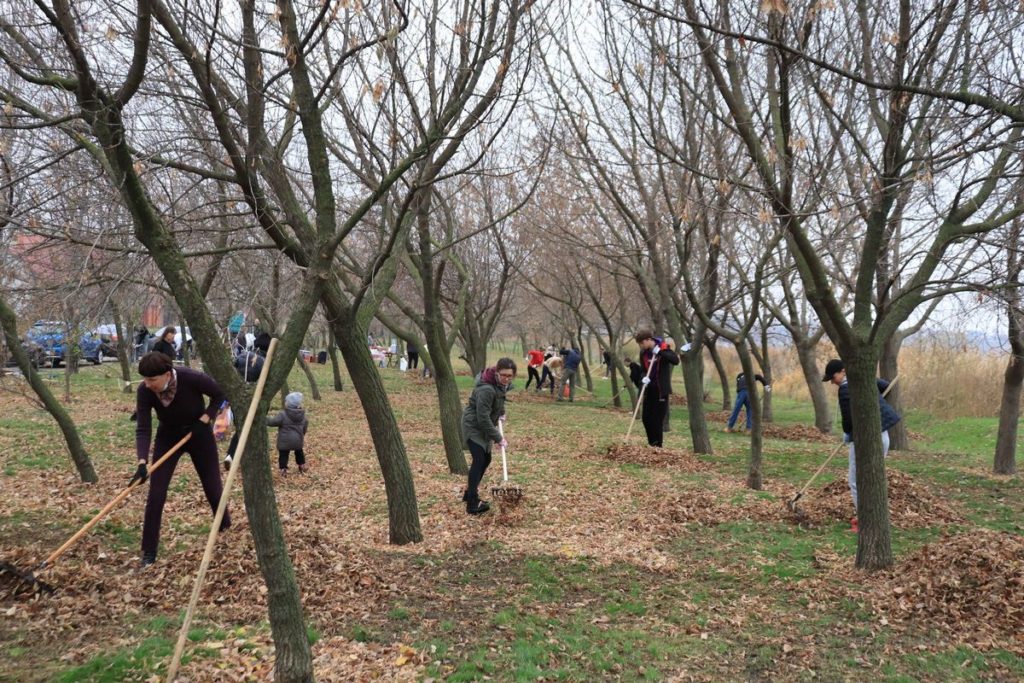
(656, 361)
(165, 344)
(835, 372)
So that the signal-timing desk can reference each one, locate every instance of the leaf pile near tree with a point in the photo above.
(796, 433)
(912, 504)
(636, 454)
(970, 583)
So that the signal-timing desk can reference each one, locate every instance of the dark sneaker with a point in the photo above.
(227, 463)
(477, 509)
(148, 559)
(303, 469)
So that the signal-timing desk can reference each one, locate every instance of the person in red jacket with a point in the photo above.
(534, 360)
(179, 397)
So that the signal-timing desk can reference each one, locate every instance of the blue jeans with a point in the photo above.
(742, 401)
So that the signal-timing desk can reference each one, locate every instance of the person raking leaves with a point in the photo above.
(179, 397)
(480, 427)
(835, 372)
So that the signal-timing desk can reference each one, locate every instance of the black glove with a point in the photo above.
(141, 474)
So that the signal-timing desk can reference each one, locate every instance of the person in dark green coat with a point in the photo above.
(480, 426)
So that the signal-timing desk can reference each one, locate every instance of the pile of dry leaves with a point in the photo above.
(653, 457)
(972, 584)
(911, 503)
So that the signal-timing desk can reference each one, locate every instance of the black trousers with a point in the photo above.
(654, 419)
(282, 458)
(414, 359)
(203, 450)
(532, 375)
(481, 459)
(546, 376)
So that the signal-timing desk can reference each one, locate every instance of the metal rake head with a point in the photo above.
(509, 494)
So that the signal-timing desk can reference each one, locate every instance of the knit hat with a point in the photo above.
(293, 400)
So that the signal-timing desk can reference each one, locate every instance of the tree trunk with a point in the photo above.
(123, 339)
(450, 406)
(1009, 409)
(754, 476)
(823, 418)
(874, 543)
(313, 388)
(67, 426)
(332, 351)
(693, 378)
(293, 660)
(888, 368)
(723, 378)
(403, 517)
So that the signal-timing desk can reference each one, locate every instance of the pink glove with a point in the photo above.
(501, 418)
(504, 443)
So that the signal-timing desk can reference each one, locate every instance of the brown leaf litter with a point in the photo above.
(971, 584)
(912, 504)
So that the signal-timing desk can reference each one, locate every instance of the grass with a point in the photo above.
(735, 598)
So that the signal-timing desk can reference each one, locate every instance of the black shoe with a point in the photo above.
(478, 508)
(227, 463)
(148, 559)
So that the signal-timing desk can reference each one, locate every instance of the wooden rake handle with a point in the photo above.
(112, 504)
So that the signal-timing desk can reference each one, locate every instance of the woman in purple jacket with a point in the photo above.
(178, 395)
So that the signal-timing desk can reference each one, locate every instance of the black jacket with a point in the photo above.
(741, 382)
(889, 414)
(165, 347)
(661, 374)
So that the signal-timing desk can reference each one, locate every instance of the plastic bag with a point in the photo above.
(222, 423)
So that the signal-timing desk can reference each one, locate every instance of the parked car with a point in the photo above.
(45, 344)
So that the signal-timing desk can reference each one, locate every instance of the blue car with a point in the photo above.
(45, 343)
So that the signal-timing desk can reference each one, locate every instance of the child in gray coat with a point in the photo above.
(291, 434)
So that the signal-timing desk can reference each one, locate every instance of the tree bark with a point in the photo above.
(124, 338)
(293, 658)
(874, 542)
(313, 388)
(332, 351)
(754, 476)
(67, 426)
(1005, 461)
(723, 378)
(403, 517)
(693, 379)
(823, 417)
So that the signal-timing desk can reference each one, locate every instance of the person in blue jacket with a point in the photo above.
(569, 370)
(835, 372)
(743, 399)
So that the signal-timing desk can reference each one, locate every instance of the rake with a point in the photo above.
(508, 493)
(34, 582)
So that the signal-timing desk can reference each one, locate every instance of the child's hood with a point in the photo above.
(296, 415)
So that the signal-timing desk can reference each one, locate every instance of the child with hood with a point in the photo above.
(291, 434)
(480, 426)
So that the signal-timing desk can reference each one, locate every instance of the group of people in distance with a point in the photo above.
(652, 374)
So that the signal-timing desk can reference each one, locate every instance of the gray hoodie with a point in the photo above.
(293, 425)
